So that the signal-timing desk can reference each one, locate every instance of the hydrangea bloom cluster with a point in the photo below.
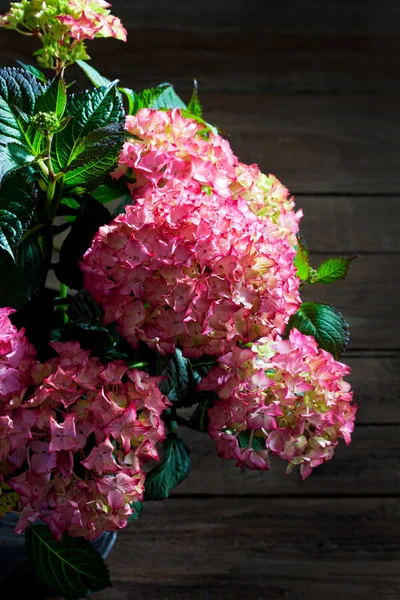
(191, 269)
(189, 264)
(178, 152)
(63, 26)
(284, 397)
(77, 433)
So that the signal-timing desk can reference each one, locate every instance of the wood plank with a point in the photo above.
(315, 144)
(350, 224)
(369, 465)
(372, 16)
(238, 61)
(258, 549)
(368, 300)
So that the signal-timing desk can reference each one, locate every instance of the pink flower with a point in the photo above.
(288, 396)
(161, 272)
(64, 436)
(75, 405)
(101, 459)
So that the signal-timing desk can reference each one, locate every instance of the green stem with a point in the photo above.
(52, 180)
(63, 290)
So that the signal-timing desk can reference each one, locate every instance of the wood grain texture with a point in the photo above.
(263, 548)
(350, 224)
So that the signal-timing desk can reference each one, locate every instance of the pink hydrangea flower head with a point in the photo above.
(80, 432)
(283, 397)
(189, 269)
(88, 19)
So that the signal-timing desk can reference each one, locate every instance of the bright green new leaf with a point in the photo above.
(54, 98)
(333, 269)
(90, 110)
(93, 75)
(302, 262)
(325, 323)
(168, 98)
(72, 568)
(173, 469)
(17, 203)
(194, 106)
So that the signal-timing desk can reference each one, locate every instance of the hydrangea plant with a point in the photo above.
(179, 286)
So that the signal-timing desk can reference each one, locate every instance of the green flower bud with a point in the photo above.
(45, 122)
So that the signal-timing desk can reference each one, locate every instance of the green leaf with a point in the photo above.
(85, 313)
(93, 75)
(333, 269)
(144, 99)
(168, 98)
(178, 378)
(91, 216)
(109, 192)
(258, 443)
(54, 98)
(19, 91)
(71, 568)
(90, 110)
(14, 157)
(199, 419)
(302, 262)
(194, 106)
(95, 156)
(137, 507)
(33, 71)
(18, 199)
(325, 323)
(173, 469)
(20, 280)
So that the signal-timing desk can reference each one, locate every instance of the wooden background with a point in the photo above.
(310, 90)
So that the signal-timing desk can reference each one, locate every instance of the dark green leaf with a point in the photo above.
(95, 156)
(178, 380)
(85, 313)
(33, 71)
(17, 203)
(93, 75)
(168, 98)
(90, 110)
(14, 156)
(258, 443)
(71, 569)
(20, 280)
(325, 323)
(19, 91)
(109, 192)
(333, 269)
(137, 507)
(54, 98)
(173, 469)
(194, 106)
(301, 262)
(199, 419)
(92, 215)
